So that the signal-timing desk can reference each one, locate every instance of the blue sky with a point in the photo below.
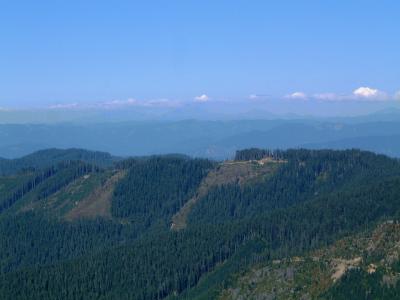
(72, 53)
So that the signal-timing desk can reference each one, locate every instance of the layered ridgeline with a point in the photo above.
(266, 225)
(50, 157)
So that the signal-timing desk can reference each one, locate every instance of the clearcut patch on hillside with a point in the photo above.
(97, 203)
(240, 172)
(62, 201)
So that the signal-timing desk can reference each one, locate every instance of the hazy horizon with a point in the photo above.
(222, 110)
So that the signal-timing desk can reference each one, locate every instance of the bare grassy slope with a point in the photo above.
(98, 202)
(88, 196)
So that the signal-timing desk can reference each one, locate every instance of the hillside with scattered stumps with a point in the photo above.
(352, 268)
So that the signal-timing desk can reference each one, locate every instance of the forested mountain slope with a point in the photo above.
(173, 227)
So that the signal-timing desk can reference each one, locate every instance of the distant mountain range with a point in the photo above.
(165, 110)
(212, 139)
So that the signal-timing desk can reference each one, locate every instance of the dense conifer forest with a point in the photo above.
(265, 205)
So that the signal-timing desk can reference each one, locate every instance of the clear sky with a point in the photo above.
(73, 52)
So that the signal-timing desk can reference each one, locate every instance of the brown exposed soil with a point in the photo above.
(98, 203)
(340, 266)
